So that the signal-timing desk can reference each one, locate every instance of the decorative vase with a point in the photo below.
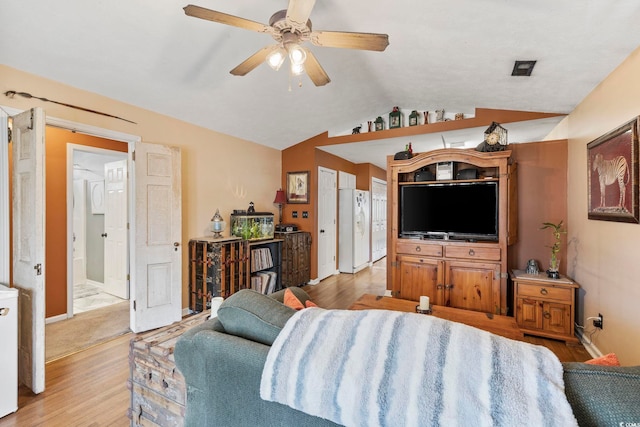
(554, 266)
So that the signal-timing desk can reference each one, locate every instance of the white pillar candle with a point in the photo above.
(424, 303)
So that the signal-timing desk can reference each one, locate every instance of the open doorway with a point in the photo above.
(98, 234)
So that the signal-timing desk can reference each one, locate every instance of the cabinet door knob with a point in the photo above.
(439, 286)
(472, 252)
(546, 314)
(544, 291)
(418, 248)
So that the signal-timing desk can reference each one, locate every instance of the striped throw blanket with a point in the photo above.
(387, 368)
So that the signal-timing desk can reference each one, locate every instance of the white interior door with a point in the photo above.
(79, 231)
(378, 219)
(327, 196)
(156, 261)
(28, 243)
(116, 254)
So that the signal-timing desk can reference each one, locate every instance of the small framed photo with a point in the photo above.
(612, 181)
(298, 187)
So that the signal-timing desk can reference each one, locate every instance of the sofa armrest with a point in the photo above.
(603, 395)
(223, 373)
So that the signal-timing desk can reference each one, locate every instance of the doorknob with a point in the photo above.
(322, 231)
(175, 246)
(104, 234)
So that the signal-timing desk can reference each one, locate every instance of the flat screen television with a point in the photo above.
(464, 211)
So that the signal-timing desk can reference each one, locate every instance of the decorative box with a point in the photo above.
(252, 226)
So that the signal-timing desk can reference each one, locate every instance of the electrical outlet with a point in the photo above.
(598, 322)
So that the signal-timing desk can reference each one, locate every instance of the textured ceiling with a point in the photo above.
(442, 54)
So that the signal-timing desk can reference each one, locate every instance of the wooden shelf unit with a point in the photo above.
(221, 267)
(460, 274)
(545, 307)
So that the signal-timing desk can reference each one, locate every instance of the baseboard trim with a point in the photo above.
(54, 319)
(94, 283)
(590, 347)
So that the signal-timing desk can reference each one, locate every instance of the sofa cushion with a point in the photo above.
(254, 316)
(290, 300)
(607, 360)
(603, 395)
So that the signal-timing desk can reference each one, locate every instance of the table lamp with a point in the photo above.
(280, 200)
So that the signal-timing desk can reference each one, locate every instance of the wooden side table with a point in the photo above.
(545, 307)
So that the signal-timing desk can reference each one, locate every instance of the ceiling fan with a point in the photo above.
(290, 28)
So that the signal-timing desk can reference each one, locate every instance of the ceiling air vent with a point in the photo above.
(523, 68)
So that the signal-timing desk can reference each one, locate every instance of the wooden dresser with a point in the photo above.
(545, 307)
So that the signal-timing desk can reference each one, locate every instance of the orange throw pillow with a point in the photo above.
(607, 360)
(309, 303)
(290, 300)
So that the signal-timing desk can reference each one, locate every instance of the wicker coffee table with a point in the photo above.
(500, 325)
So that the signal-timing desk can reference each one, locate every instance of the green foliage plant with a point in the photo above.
(555, 248)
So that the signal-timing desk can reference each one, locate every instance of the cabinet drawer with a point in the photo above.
(545, 292)
(466, 252)
(415, 248)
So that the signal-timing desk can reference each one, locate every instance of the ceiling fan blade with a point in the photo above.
(298, 12)
(253, 61)
(223, 18)
(364, 41)
(315, 71)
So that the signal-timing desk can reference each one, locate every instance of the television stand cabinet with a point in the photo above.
(468, 274)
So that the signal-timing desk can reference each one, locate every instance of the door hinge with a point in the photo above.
(38, 269)
(30, 127)
(395, 264)
(133, 156)
(9, 135)
(134, 305)
(128, 277)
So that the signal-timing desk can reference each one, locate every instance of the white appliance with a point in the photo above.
(353, 238)
(9, 353)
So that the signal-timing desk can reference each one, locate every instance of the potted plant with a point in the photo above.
(554, 263)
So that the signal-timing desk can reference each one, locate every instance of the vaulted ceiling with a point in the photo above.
(456, 56)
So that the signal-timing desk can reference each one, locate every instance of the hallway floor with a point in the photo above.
(88, 296)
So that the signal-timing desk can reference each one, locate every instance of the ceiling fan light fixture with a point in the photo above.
(297, 69)
(276, 58)
(297, 55)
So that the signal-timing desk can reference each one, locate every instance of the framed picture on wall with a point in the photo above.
(612, 172)
(298, 187)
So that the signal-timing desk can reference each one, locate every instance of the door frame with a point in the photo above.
(71, 149)
(5, 204)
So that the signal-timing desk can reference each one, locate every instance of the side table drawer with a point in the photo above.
(417, 248)
(546, 292)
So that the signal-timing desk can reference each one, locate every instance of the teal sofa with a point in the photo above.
(222, 361)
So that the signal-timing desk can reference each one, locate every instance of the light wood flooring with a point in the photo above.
(89, 388)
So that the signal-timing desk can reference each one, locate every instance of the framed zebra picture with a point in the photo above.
(613, 174)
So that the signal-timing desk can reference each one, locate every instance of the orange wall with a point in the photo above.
(542, 197)
(305, 156)
(56, 209)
